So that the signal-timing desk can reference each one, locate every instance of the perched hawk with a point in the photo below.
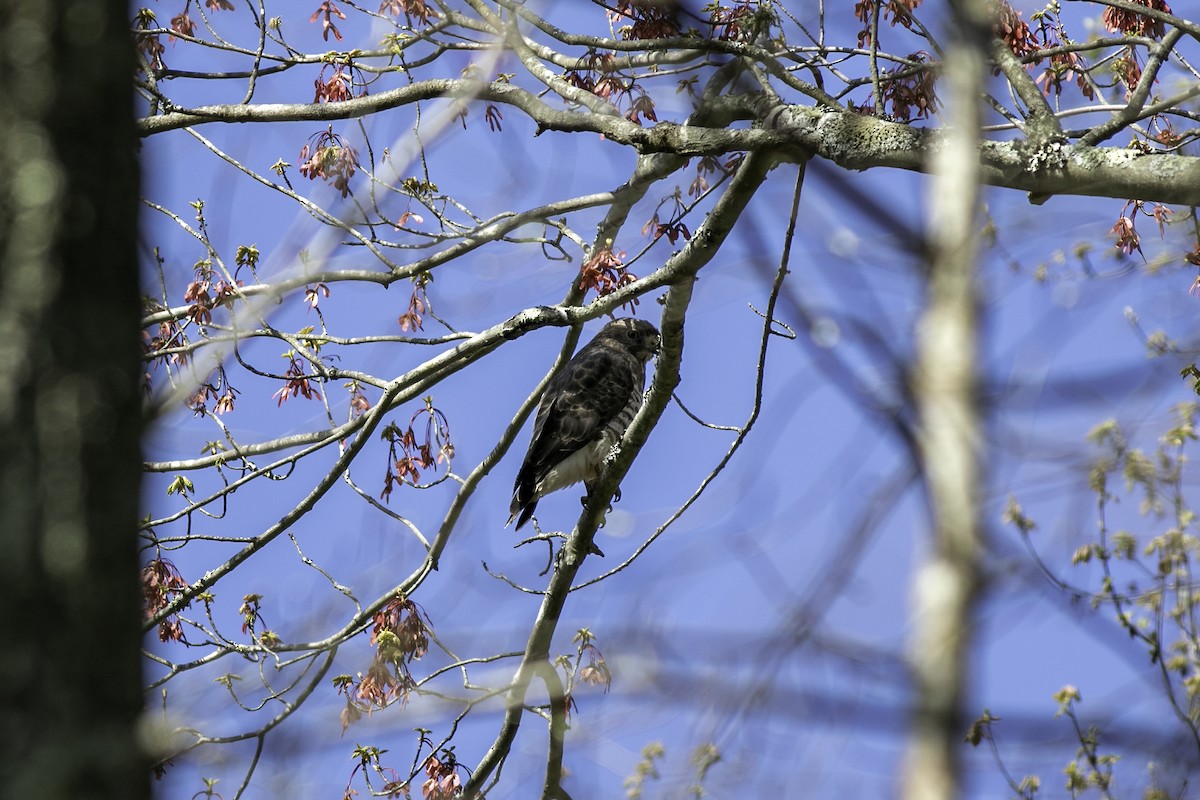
(584, 412)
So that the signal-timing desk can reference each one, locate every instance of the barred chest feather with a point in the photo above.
(586, 462)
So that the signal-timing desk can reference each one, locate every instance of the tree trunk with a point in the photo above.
(70, 693)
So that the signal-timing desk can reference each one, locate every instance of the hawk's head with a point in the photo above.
(637, 336)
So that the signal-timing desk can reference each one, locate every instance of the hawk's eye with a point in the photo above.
(634, 333)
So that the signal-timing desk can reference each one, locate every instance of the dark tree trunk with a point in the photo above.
(70, 693)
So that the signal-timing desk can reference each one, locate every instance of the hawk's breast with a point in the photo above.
(586, 462)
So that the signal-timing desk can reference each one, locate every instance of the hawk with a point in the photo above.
(584, 412)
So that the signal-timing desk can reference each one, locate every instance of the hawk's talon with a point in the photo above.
(583, 501)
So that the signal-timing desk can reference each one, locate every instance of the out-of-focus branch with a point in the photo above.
(948, 437)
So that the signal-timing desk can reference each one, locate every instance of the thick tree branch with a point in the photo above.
(791, 131)
(1041, 117)
(855, 142)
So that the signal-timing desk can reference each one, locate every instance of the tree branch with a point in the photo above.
(683, 268)
(792, 131)
(944, 587)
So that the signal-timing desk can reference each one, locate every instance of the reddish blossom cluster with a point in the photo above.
(384, 683)
(359, 404)
(1162, 215)
(1012, 30)
(411, 9)
(1125, 228)
(913, 93)
(1127, 70)
(733, 24)
(605, 273)
(410, 625)
(146, 41)
(640, 105)
(203, 294)
(326, 155)
(1127, 235)
(894, 11)
(326, 12)
(1165, 134)
(339, 86)
(221, 391)
(418, 304)
(409, 216)
(313, 295)
(585, 71)
(400, 635)
(183, 25)
(650, 20)
(161, 583)
(169, 336)
(296, 383)
(1136, 23)
(673, 229)
(1065, 67)
(442, 781)
(376, 689)
(596, 671)
(407, 455)
(705, 166)
(1071, 66)
(597, 73)
(906, 92)
(250, 610)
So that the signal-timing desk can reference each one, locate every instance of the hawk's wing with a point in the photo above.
(578, 405)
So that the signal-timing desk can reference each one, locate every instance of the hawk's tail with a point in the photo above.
(522, 506)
